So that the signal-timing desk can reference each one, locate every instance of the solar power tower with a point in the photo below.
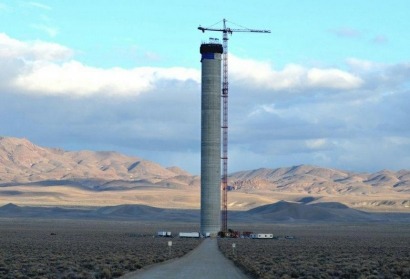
(210, 123)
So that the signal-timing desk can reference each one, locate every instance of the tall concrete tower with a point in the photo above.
(211, 138)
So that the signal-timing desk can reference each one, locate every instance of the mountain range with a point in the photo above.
(23, 162)
(33, 175)
(280, 212)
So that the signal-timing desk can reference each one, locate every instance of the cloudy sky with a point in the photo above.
(329, 86)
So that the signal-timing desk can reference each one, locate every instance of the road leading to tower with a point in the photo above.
(206, 261)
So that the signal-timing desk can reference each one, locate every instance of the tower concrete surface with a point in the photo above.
(211, 56)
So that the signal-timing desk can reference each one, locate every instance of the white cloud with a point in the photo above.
(47, 68)
(75, 78)
(292, 77)
(363, 65)
(317, 143)
(32, 51)
(332, 79)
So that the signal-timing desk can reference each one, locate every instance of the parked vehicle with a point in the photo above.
(164, 234)
(261, 235)
(189, 234)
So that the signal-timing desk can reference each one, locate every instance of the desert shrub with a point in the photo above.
(105, 273)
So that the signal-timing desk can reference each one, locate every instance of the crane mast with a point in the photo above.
(225, 88)
(224, 157)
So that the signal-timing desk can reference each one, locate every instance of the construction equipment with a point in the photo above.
(224, 183)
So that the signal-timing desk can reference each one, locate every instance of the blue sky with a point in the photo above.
(329, 86)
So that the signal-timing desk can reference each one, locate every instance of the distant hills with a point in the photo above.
(383, 190)
(33, 175)
(331, 211)
(317, 180)
(23, 162)
(280, 212)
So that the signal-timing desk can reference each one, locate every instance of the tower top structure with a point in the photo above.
(211, 48)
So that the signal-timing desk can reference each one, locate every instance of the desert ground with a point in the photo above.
(39, 248)
(324, 251)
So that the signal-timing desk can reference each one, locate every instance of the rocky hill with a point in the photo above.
(316, 180)
(23, 162)
(381, 191)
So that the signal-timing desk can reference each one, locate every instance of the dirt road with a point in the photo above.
(206, 261)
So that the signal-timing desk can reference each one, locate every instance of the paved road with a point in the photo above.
(206, 261)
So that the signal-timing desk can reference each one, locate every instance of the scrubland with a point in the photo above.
(324, 251)
(34, 248)
(40, 248)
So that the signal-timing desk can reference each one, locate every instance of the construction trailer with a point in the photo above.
(189, 234)
(164, 234)
(261, 236)
(233, 234)
(246, 234)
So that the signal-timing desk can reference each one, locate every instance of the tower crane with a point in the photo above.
(224, 183)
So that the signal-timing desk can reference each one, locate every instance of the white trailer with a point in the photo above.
(261, 235)
(189, 234)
